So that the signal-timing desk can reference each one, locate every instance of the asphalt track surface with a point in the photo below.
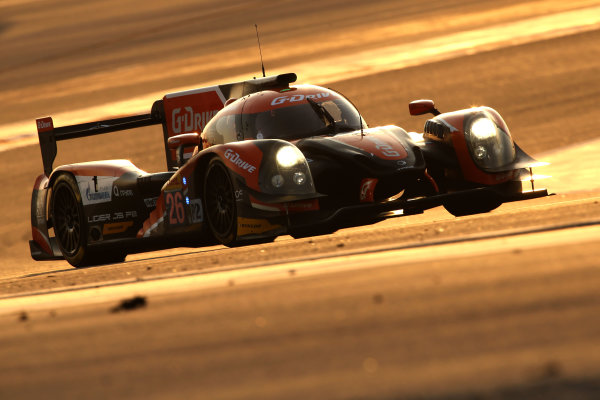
(498, 305)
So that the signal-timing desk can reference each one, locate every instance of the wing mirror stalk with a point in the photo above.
(180, 143)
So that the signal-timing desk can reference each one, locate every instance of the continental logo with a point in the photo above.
(187, 120)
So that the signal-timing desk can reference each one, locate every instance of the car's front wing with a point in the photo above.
(360, 214)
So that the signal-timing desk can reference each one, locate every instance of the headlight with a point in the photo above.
(284, 170)
(288, 156)
(483, 128)
(299, 178)
(277, 181)
(490, 145)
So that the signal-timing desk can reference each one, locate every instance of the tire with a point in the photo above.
(219, 203)
(71, 228)
(484, 202)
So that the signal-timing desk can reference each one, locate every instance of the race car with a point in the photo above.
(252, 160)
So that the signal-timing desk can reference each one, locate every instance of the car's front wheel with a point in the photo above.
(219, 202)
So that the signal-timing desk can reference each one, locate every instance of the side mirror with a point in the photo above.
(420, 107)
(182, 142)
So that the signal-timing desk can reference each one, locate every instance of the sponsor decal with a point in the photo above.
(266, 207)
(95, 190)
(151, 202)
(97, 197)
(116, 227)
(383, 147)
(116, 216)
(239, 195)
(238, 161)
(297, 97)
(250, 226)
(377, 142)
(303, 205)
(124, 215)
(196, 211)
(44, 124)
(122, 192)
(174, 184)
(191, 110)
(99, 218)
(367, 189)
(187, 120)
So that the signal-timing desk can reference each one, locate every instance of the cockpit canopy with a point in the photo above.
(289, 114)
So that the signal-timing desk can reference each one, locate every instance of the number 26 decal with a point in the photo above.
(175, 210)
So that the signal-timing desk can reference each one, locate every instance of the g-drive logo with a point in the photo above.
(297, 97)
(190, 121)
(238, 161)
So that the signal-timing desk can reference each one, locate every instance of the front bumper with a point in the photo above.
(360, 214)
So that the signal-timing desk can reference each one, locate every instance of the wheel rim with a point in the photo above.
(67, 222)
(220, 203)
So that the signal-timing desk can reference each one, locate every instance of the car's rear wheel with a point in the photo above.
(70, 226)
(219, 202)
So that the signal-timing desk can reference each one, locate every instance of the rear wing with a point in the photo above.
(48, 135)
(179, 112)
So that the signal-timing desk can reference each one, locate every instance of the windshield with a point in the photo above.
(306, 119)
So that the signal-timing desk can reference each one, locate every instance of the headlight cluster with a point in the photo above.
(491, 146)
(291, 173)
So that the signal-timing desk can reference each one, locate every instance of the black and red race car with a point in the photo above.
(252, 160)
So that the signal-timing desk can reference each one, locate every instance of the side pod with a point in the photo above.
(42, 247)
